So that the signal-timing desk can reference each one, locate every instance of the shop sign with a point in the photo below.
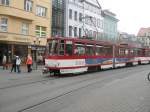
(38, 48)
(24, 39)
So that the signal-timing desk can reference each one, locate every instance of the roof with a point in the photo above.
(142, 32)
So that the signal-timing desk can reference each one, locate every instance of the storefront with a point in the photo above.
(37, 51)
(3, 51)
(13, 49)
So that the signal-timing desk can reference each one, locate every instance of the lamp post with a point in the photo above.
(36, 45)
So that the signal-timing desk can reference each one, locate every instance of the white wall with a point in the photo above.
(89, 10)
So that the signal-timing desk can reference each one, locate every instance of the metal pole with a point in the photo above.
(36, 57)
(113, 56)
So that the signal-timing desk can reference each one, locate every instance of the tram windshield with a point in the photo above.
(53, 47)
(60, 48)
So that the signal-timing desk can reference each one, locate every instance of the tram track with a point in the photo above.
(37, 81)
(26, 83)
(95, 80)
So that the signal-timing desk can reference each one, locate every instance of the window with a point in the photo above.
(25, 29)
(80, 17)
(70, 13)
(79, 49)
(75, 31)
(90, 50)
(3, 24)
(62, 47)
(70, 31)
(121, 52)
(4, 2)
(41, 11)
(53, 47)
(69, 48)
(40, 31)
(28, 4)
(80, 32)
(75, 15)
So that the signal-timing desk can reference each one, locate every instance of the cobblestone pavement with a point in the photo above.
(9, 79)
(108, 93)
(130, 94)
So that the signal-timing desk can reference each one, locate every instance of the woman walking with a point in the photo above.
(4, 62)
(29, 63)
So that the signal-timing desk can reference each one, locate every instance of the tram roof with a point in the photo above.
(126, 45)
(83, 40)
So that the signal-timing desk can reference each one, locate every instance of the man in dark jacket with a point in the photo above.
(13, 64)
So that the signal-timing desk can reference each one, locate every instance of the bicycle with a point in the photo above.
(148, 76)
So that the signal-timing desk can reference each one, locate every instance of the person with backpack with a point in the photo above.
(18, 62)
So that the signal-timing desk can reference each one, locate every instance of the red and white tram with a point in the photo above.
(72, 55)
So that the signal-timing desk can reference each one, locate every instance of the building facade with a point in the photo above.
(110, 25)
(24, 27)
(58, 8)
(144, 36)
(83, 19)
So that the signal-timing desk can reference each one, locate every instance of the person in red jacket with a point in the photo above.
(29, 63)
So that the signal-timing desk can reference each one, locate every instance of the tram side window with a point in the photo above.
(121, 52)
(61, 47)
(131, 52)
(126, 52)
(108, 51)
(139, 52)
(79, 50)
(100, 51)
(69, 48)
(135, 51)
(148, 52)
(90, 50)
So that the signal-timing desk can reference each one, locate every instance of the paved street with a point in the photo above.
(118, 90)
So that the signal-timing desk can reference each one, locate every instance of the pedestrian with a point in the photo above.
(4, 62)
(13, 64)
(18, 62)
(29, 63)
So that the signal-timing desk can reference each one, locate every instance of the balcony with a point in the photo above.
(14, 12)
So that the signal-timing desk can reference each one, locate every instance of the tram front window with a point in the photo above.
(53, 47)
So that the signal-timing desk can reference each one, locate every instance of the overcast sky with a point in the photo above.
(132, 14)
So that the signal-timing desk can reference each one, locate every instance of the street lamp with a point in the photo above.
(37, 42)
